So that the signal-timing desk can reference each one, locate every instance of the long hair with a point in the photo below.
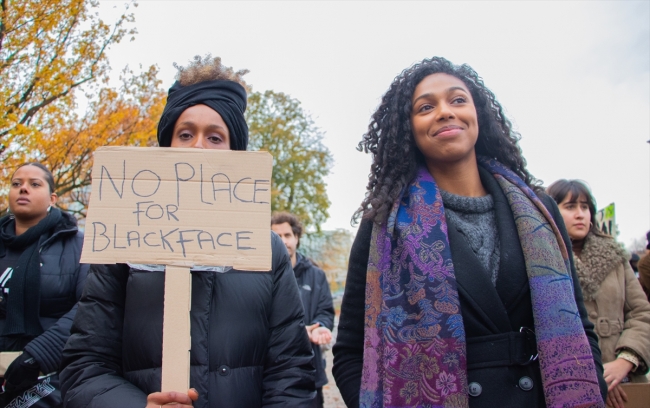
(573, 189)
(390, 139)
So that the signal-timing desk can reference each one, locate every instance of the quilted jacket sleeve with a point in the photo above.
(47, 347)
(92, 372)
(288, 373)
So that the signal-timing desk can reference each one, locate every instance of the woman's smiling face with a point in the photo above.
(444, 120)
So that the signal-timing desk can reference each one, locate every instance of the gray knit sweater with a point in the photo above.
(474, 217)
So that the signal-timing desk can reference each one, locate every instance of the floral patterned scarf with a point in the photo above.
(414, 339)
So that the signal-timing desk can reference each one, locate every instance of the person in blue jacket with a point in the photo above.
(41, 281)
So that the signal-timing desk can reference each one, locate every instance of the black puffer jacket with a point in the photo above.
(62, 282)
(317, 301)
(249, 343)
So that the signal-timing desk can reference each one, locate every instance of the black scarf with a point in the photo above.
(23, 305)
(227, 98)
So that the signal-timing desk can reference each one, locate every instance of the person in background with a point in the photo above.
(459, 285)
(314, 292)
(634, 263)
(614, 299)
(41, 281)
(644, 269)
(249, 344)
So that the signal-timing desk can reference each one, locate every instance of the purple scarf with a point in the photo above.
(414, 352)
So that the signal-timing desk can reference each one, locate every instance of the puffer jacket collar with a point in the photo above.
(598, 258)
(67, 226)
(302, 264)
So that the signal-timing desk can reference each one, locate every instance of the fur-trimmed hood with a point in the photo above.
(598, 258)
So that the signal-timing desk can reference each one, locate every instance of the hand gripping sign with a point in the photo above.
(179, 208)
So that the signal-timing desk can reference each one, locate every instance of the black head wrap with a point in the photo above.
(227, 98)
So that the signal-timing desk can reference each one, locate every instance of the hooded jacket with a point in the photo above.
(615, 301)
(317, 301)
(249, 344)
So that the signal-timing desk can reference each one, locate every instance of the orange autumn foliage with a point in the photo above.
(127, 116)
(49, 51)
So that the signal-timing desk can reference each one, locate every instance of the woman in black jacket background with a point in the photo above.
(249, 346)
(40, 282)
(459, 289)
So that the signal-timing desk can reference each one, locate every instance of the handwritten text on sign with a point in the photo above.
(180, 207)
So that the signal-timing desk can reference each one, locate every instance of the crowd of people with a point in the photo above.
(469, 284)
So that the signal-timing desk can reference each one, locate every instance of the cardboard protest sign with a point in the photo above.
(606, 220)
(638, 395)
(180, 207)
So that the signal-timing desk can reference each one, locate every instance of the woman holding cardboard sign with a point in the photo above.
(459, 285)
(614, 298)
(40, 282)
(249, 345)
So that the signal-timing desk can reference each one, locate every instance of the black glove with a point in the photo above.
(21, 374)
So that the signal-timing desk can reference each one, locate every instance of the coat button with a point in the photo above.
(593, 315)
(475, 389)
(224, 370)
(526, 383)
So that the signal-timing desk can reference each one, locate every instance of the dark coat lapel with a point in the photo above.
(512, 280)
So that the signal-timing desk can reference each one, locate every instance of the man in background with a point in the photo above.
(314, 292)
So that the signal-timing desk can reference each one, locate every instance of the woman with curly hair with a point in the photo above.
(613, 297)
(459, 290)
(249, 344)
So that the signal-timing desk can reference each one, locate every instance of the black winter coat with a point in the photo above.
(317, 301)
(249, 343)
(500, 375)
(62, 282)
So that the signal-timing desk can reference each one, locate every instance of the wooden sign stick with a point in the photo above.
(176, 329)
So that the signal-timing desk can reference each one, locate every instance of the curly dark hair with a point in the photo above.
(208, 68)
(292, 220)
(396, 158)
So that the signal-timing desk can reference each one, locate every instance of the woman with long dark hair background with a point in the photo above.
(459, 290)
(613, 296)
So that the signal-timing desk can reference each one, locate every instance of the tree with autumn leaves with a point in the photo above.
(278, 124)
(50, 51)
(54, 51)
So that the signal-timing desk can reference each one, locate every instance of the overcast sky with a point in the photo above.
(574, 77)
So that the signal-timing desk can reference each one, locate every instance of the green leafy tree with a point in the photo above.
(279, 125)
